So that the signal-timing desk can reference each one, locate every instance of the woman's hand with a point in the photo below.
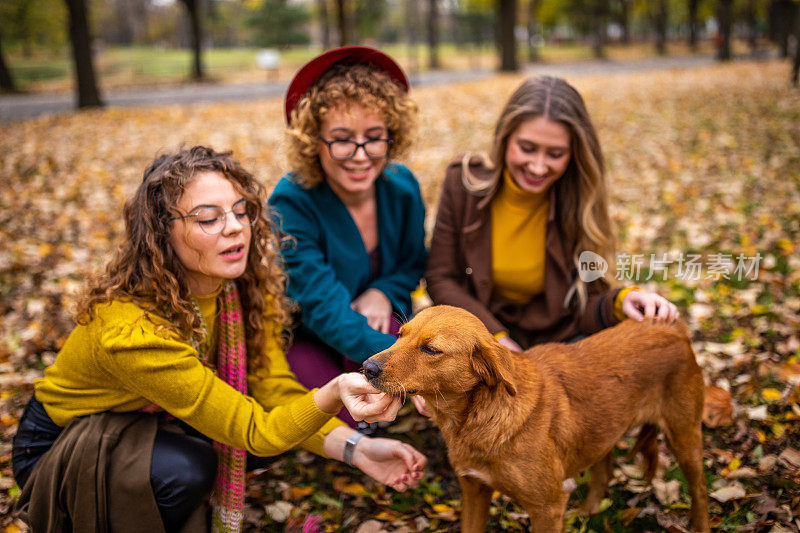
(376, 307)
(364, 401)
(421, 405)
(389, 461)
(509, 343)
(639, 305)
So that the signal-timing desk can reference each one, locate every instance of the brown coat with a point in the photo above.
(96, 479)
(459, 271)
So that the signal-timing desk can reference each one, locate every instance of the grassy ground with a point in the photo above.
(702, 162)
(146, 66)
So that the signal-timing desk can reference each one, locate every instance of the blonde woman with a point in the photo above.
(511, 227)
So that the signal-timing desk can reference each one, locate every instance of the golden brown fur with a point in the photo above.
(523, 423)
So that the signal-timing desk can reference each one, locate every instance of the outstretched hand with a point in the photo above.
(639, 305)
(365, 402)
(391, 462)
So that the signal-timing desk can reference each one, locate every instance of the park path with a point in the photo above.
(22, 106)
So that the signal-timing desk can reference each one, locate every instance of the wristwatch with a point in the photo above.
(350, 447)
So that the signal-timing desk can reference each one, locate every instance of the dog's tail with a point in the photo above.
(647, 445)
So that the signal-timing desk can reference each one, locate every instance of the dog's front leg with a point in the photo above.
(546, 511)
(475, 500)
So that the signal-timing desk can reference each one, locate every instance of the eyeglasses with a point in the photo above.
(344, 149)
(212, 220)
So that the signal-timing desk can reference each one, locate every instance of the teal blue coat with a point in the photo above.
(328, 265)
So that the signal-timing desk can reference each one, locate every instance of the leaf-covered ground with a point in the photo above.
(704, 170)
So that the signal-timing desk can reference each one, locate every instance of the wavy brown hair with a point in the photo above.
(369, 87)
(147, 271)
(581, 194)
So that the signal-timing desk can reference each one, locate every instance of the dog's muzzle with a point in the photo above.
(372, 370)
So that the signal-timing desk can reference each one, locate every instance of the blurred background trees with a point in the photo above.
(146, 36)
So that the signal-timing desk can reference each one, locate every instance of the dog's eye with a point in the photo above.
(429, 350)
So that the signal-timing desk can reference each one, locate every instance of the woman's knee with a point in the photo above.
(182, 474)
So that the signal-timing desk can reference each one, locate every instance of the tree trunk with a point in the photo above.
(325, 33)
(533, 23)
(507, 20)
(661, 27)
(725, 17)
(7, 84)
(625, 20)
(796, 64)
(88, 96)
(750, 16)
(693, 7)
(341, 17)
(193, 10)
(599, 10)
(433, 34)
(412, 22)
(779, 24)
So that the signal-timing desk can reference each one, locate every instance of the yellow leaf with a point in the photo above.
(429, 498)
(760, 435)
(778, 429)
(45, 249)
(442, 508)
(356, 489)
(12, 528)
(301, 492)
(785, 245)
(734, 465)
(771, 395)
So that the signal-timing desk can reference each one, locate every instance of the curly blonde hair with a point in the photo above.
(146, 269)
(371, 88)
(581, 193)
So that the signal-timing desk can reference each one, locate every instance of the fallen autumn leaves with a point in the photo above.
(700, 162)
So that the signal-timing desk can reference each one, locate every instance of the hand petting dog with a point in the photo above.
(640, 305)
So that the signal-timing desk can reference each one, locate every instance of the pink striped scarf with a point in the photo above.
(227, 497)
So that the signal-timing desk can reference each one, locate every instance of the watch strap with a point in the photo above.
(350, 447)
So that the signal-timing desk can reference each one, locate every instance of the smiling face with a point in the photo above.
(208, 259)
(538, 153)
(355, 177)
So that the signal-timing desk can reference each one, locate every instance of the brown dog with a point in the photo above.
(523, 423)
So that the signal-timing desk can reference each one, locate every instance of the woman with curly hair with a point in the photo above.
(355, 217)
(174, 380)
(511, 227)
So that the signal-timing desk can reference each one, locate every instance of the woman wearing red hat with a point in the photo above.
(354, 216)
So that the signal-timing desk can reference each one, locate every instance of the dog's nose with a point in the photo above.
(372, 370)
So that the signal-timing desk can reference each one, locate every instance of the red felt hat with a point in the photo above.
(312, 71)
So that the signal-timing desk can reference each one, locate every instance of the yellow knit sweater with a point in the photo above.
(122, 361)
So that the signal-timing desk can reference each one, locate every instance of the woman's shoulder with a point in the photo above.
(122, 321)
(287, 186)
(476, 165)
(400, 177)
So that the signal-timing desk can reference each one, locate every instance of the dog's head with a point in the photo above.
(443, 349)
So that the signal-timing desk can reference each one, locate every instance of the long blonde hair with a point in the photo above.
(147, 271)
(581, 195)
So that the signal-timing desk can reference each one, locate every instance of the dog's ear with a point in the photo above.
(493, 365)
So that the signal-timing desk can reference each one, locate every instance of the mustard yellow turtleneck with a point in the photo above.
(519, 233)
(519, 220)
